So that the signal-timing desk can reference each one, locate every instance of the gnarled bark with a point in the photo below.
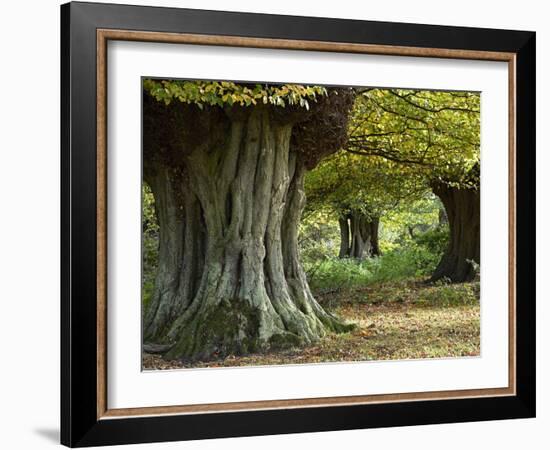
(359, 235)
(180, 248)
(294, 272)
(251, 293)
(462, 210)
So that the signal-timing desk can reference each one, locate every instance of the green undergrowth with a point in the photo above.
(333, 274)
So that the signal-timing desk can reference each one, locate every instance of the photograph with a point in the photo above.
(308, 224)
(282, 221)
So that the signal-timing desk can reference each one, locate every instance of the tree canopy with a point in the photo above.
(436, 132)
(400, 143)
(373, 185)
(228, 93)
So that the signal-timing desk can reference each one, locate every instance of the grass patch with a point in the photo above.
(332, 274)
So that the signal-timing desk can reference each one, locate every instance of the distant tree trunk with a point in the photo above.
(443, 220)
(343, 221)
(462, 210)
(359, 235)
(374, 232)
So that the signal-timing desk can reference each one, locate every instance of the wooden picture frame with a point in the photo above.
(85, 417)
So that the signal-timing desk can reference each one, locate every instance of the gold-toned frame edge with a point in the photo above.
(104, 35)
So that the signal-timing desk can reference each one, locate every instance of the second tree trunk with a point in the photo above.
(358, 235)
(461, 257)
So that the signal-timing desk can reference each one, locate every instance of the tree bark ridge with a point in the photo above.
(248, 292)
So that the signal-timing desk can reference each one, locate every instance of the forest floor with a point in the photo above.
(394, 320)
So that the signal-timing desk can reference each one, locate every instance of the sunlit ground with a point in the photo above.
(394, 320)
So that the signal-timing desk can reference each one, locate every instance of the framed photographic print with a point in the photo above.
(276, 224)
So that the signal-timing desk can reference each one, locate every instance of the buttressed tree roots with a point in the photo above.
(228, 188)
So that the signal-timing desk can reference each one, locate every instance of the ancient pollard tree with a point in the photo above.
(226, 164)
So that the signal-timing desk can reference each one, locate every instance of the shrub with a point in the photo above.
(333, 273)
(435, 241)
(416, 258)
(444, 294)
(149, 245)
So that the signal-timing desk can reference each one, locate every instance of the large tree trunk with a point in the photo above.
(462, 210)
(359, 235)
(242, 288)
